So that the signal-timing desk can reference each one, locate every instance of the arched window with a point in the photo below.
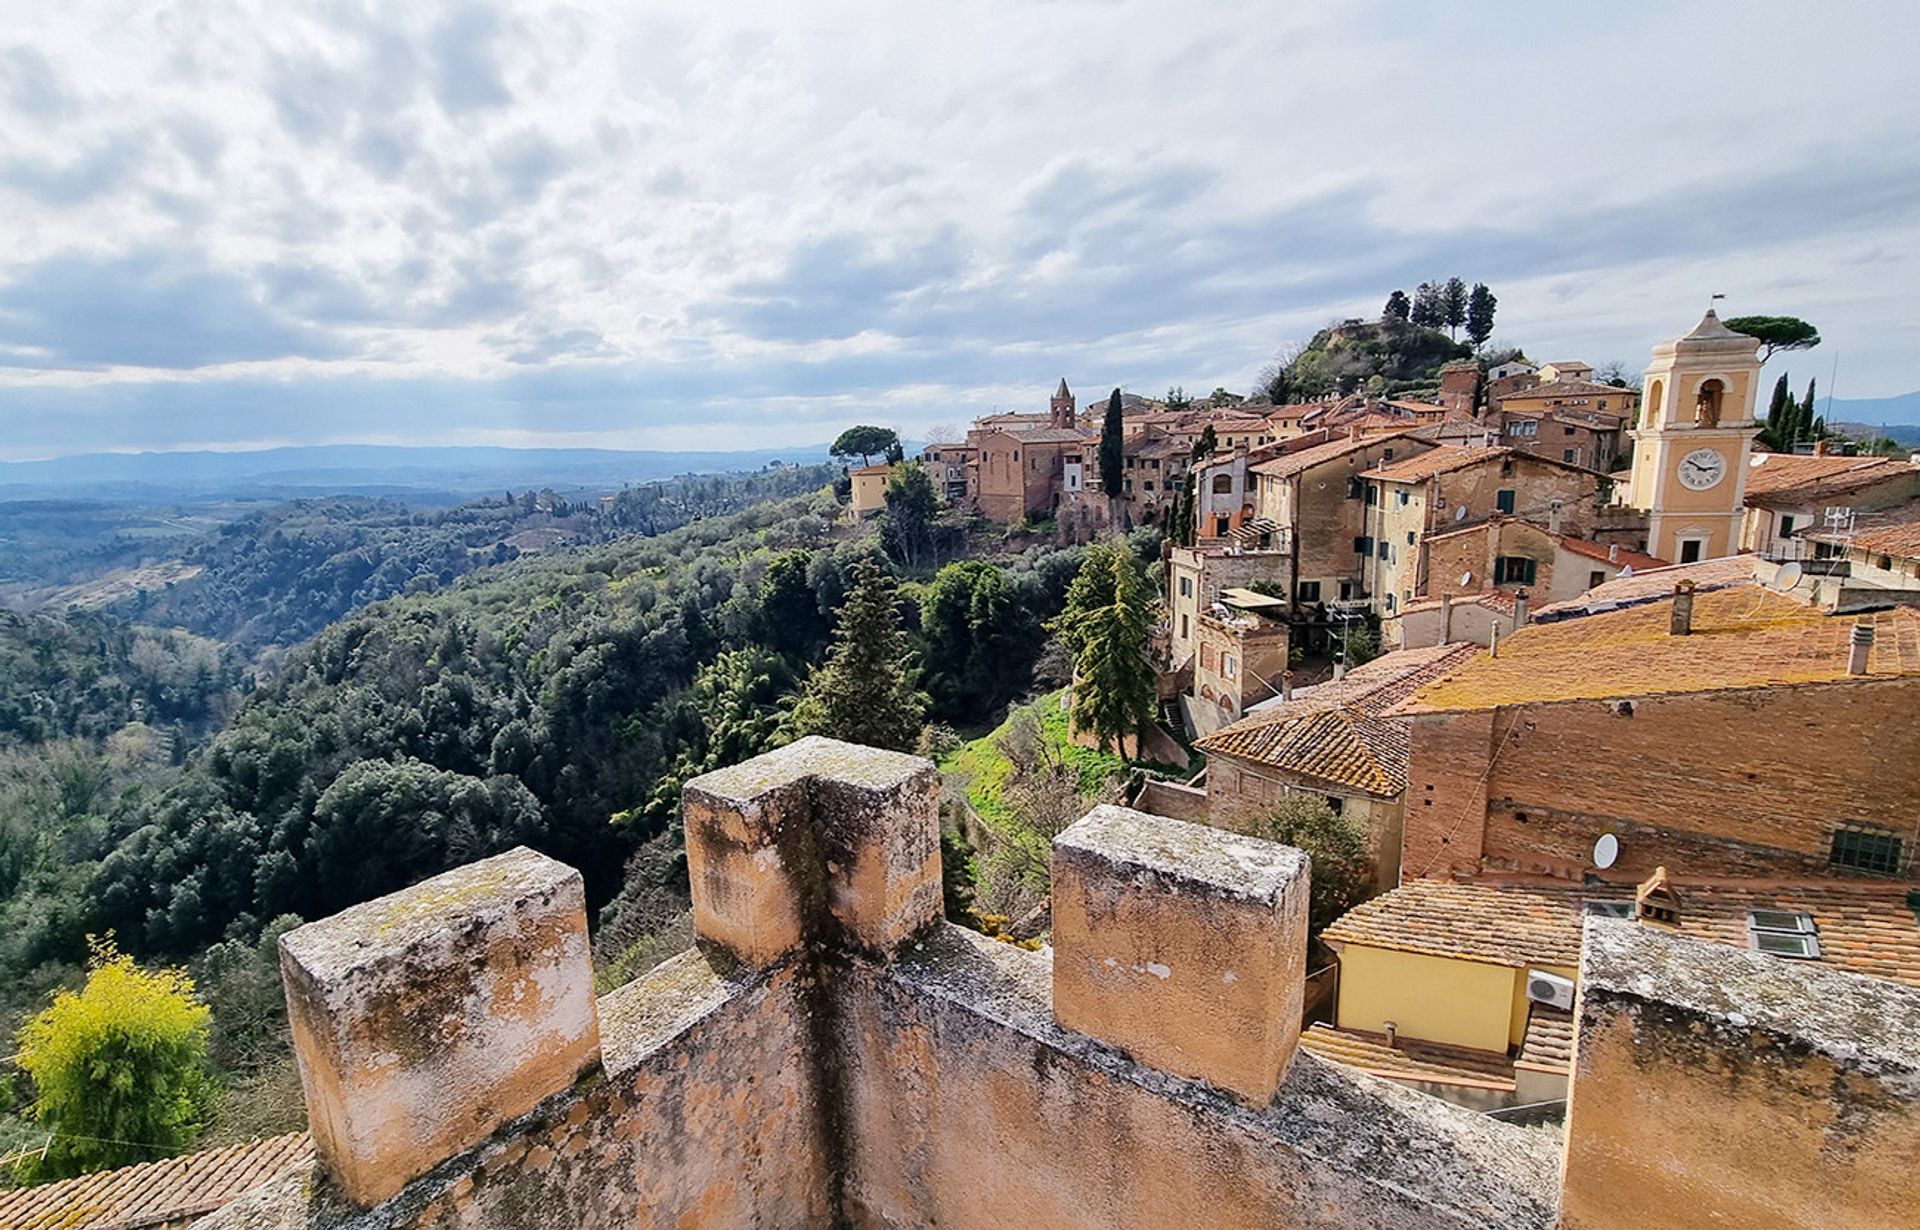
(1706, 406)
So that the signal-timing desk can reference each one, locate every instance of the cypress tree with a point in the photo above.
(861, 694)
(1113, 457)
(1809, 421)
(1780, 416)
(1453, 305)
(1113, 681)
(1480, 308)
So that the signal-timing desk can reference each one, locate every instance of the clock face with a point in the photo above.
(1701, 469)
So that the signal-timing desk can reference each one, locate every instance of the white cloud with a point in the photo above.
(704, 213)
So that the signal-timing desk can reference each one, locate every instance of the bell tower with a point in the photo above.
(1691, 445)
(1062, 406)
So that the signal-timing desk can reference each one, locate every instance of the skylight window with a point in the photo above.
(1783, 933)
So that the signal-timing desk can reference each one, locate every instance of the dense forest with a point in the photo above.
(193, 801)
(279, 575)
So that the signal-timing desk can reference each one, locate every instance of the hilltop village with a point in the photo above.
(1616, 701)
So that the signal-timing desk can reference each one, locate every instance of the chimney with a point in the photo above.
(1493, 639)
(1819, 448)
(1655, 901)
(1859, 648)
(1553, 517)
(1446, 618)
(1613, 553)
(1353, 431)
(1683, 609)
(1520, 610)
(1286, 685)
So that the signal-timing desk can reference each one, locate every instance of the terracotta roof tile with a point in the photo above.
(1304, 459)
(1449, 457)
(154, 1193)
(1866, 928)
(1792, 479)
(1895, 531)
(1410, 1060)
(1742, 638)
(1569, 388)
(1652, 585)
(1548, 1042)
(1335, 732)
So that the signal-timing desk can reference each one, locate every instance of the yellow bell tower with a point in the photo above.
(1691, 446)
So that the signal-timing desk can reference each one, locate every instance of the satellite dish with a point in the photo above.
(1606, 851)
(1460, 513)
(1466, 578)
(1786, 576)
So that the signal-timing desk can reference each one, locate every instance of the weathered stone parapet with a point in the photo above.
(1714, 1085)
(1182, 944)
(819, 836)
(426, 1019)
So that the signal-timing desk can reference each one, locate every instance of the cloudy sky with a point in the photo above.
(742, 224)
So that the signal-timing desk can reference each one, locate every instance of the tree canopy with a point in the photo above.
(1110, 618)
(862, 694)
(1342, 875)
(1113, 453)
(1776, 333)
(1480, 308)
(863, 442)
(119, 1067)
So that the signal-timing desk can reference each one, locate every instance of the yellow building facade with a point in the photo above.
(1691, 446)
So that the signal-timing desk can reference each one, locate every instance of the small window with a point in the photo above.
(1783, 933)
(1390, 604)
(1373, 495)
(1363, 545)
(1223, 484)
(1309, 591)
(1354, 488)
(1409, 537)
(1596, 579)
(1570, 456)
(1786, 526)
(1405, 498)
(1386, 455)
(1185, 630)
(1607, 909)
(1380, 549)
(1506, 467)
(1513, 570)
(1227, 665)
(1866, 850)
(1504, 499)
(1691, 549)
(1568, 431)
(1186, 587)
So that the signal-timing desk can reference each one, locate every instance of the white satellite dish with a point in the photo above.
(1460, 513)
(1606, 851)
(1786, 576)
(1466, 578)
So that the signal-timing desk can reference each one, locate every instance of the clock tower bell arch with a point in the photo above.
(1691, 445)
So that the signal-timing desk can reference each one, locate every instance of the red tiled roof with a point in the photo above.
(1741, 639)
(1409, 1059)
(1449, 457)
(1569, 388)
(1548, 1042)
(1335, 732)
(1655, 584)
(1792, 479)
(1864, 928)
(154, 1193)
(1895, 531)
(1290, 463)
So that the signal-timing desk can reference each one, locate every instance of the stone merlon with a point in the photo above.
(834, 1054)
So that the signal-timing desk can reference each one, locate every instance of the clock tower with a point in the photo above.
(1690, 448)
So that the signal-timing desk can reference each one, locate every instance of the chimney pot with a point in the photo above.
(1683, 609)
(1286, 685)
(1520, 610)
(1446, 619)
(1859, 648)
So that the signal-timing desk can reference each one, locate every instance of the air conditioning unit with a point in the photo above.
(1551, 989)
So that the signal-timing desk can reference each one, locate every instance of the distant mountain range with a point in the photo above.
(365, 469)
(1903, 410)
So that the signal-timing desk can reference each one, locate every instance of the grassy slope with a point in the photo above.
(985, 768)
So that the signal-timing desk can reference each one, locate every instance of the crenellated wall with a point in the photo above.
(834, 1054)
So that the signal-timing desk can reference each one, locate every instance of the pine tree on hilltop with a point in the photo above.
(1399, 307)
(1480, 308)
(1113, 681)
(1428, 311)
(1453, 305)
(861, 693)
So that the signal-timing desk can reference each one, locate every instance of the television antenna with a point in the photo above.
(1606, 851)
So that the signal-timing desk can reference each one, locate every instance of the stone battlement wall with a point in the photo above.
(835, 1054)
